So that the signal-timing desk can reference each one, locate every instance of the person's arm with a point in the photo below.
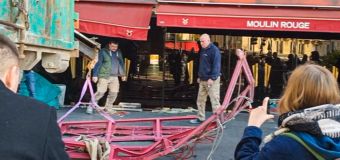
(249, 146)
(122, 62)
(30, 83)
(122, 65)
(98, 64)
(216, 64)
(54, 147)
(281, 147)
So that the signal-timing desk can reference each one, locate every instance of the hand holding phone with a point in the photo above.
(272, 106)
(258, 115)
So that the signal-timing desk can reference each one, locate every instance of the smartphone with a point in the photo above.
(272, 106)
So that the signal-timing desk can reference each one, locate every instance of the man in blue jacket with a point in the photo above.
(109, 66)
(208, 77)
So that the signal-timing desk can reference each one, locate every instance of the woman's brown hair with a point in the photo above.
(309, 85)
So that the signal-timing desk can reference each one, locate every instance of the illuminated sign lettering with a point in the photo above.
(278, 24)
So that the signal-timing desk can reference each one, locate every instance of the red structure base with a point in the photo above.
(150, 138)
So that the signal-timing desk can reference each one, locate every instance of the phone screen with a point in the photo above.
(272, 106)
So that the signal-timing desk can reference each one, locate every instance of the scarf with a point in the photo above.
(323, 120)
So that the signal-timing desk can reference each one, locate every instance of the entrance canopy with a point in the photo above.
(115, 19)
(302, 19)
(277, 3)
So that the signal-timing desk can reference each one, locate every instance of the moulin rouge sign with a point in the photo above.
(279, 25)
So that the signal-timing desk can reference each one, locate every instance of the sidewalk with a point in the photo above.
(225, 151)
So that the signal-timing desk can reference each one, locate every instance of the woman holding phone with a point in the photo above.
(309, 120)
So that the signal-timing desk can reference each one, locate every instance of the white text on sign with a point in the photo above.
(278, 24)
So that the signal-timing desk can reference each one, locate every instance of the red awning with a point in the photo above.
(248, 18)
(284, 3)
(122, 20)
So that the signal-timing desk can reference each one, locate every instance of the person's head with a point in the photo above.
(204, 40)
(304, 57)
(199, 45)
(290, 56)
(9, 68)
(216, 44)
(269, 54)
(192, 49)
(309, 85)
(113, 46)
(315, 56)
(275, 54)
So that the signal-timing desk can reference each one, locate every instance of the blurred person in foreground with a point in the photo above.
(309, 114)
(28, 128)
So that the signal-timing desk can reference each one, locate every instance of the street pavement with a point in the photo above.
(232, 132)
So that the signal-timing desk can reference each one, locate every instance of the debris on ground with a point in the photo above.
(175, 110)
(124, 106)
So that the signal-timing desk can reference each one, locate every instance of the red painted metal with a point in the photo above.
(184, 45)
(248, 18)
(122, 20)
(150, 136)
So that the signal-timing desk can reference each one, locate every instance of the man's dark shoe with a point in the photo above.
(196, 121)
